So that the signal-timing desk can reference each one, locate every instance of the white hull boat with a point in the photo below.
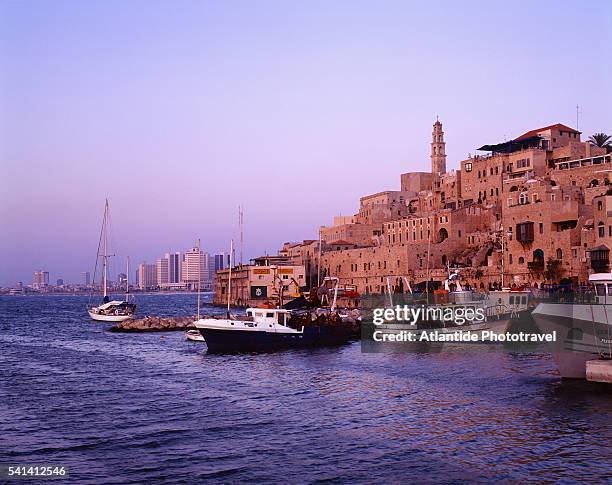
(583, 330)
(110, 310)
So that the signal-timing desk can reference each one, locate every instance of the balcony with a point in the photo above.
(536, 265)
(600, 258)
(600, 264)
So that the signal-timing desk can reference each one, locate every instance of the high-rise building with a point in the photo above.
(219, 263)
(147, 276)
(86, 278)
(122, 280)
(162, 272)
(174, 267)
(59, 282)
(193, 261)
(41, 278)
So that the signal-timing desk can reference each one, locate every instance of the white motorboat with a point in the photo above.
(194, 335)
(110, 310)
(583, 327)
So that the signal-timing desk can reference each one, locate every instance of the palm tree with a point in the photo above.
(600, 140)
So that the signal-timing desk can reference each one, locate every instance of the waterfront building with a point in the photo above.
(543, 196)
(147, 276)
(196, 269)
(59, 282)
(162, 272)
(266, 280)
(41, 279)
(86, 278)
(175, 262)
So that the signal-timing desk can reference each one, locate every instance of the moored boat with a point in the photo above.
(272, 329)
(110, 310)
(583, 327)
(194, 335)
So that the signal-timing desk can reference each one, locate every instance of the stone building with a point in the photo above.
(269, 279)
(542, 197)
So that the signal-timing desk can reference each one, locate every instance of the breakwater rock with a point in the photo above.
(154, 324)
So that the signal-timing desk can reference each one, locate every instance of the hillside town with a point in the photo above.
(532, 211)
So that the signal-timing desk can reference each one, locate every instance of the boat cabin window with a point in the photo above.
(512, 300)
(601, 289)
(281, 319)
(269, 315)
(524, 300)
(609, 290)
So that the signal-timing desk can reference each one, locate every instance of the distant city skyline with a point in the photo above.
(181, 113)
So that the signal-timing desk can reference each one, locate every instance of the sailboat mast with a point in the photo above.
(229, 285)
(199, 275)
(127, 278)
(105, 256)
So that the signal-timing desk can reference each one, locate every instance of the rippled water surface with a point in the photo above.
(133, 408)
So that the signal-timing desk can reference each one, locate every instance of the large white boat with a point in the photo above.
(110, 310)
(583, 327)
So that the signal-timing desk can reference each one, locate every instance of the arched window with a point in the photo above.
(444, 260)
(521, 260)
(514, 188)
(601, 229)
(442, 234)
(594, 183)
(559, 254)
(523, 198)
(599, 205)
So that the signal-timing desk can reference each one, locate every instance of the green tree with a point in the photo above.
(601, 140)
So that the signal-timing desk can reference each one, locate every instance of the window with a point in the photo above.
(559, 254)
(510, 258)
(574, 253)
(601, 229)
(599, 205)
(524, 232)
(468, 166)
(521, 260)
(541, 228)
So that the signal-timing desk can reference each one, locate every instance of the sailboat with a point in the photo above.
(110, 310)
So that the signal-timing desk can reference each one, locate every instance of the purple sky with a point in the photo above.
(181, 111)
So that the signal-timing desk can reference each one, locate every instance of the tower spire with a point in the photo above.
(438, 153)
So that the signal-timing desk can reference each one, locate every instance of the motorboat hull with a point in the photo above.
(225, 340)
(583, 333)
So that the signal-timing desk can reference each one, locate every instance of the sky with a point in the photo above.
(179, 111)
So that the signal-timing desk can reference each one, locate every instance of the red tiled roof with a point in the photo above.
(341, 241)
(559, 126)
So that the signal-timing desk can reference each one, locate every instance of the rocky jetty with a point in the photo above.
(155, 324)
